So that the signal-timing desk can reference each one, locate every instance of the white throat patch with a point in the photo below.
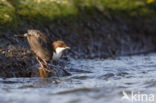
(58, 53)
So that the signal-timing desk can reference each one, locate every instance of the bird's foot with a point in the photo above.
(49, 67)
(45, 69)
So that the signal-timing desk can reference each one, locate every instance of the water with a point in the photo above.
(96, 80)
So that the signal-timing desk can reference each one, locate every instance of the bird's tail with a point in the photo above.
(21, 36)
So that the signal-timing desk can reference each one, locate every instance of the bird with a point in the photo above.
(44, 48)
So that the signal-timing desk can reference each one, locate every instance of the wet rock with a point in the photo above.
(57, 71)
(21, 64)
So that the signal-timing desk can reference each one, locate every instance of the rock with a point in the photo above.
(38, 71)
(24, 67)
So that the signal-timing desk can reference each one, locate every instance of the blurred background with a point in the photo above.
(115, 37)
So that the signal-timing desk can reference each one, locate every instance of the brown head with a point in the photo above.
(59, 45)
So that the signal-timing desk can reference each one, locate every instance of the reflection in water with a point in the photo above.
(96, 80)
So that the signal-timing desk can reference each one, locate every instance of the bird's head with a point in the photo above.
(59, 46)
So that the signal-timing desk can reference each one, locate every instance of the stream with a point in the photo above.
(92, 81)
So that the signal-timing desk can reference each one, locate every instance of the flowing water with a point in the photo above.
(92, 81)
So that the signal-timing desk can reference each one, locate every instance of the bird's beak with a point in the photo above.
(67, 47)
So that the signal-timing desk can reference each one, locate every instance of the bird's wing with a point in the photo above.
(40, 40)
(44, 40)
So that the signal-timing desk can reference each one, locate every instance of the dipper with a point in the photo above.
(44, 48)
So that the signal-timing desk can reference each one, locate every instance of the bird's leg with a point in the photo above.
(42, 66)
(48, 65)
(40, 62)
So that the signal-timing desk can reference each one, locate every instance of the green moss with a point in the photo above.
(17, 12)
(7, 13)
(46, 9)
